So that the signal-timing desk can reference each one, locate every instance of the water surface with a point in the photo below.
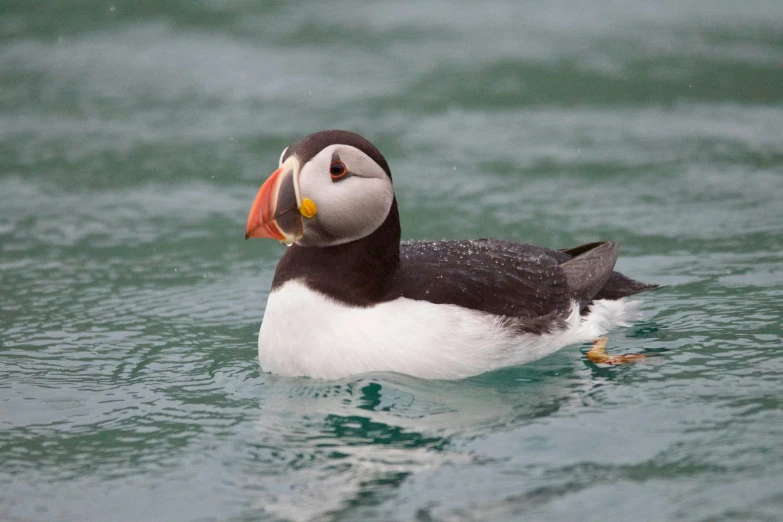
(135, 136)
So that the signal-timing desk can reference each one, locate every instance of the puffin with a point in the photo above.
(349, 297)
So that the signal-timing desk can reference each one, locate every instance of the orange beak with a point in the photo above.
(275, 212)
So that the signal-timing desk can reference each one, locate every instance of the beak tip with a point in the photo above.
(276, 196)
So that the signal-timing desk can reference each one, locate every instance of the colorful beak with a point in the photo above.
(275, 211)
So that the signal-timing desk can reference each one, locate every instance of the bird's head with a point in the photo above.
(331, 187)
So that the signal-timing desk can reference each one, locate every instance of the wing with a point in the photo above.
(498, 277)
(530, 286)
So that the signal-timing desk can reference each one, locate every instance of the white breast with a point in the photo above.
(305, 333)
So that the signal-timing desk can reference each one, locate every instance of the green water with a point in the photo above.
(134, 136)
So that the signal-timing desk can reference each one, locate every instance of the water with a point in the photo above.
(135, 136)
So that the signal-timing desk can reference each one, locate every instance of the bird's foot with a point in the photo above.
(598, 354)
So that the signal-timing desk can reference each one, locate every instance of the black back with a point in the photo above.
(498, 277)
(531, 287)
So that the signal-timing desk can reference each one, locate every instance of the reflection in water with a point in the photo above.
(352, 444)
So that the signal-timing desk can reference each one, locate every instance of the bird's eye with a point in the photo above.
(338, 170)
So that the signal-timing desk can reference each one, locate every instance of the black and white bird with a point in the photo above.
(348, 297)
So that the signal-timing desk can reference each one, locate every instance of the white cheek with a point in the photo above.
(352, 208)
(360, 201)
(348, 209)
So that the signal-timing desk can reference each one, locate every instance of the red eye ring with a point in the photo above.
(337, 170)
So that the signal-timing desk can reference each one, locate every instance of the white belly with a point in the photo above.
(305, 333)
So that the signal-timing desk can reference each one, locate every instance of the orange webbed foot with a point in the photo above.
(598, 354)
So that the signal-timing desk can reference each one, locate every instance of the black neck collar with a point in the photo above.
(359, 273)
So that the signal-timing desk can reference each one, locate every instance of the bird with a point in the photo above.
(349, 297)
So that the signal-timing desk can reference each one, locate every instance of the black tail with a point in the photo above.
(589, 271)
(616, 285)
